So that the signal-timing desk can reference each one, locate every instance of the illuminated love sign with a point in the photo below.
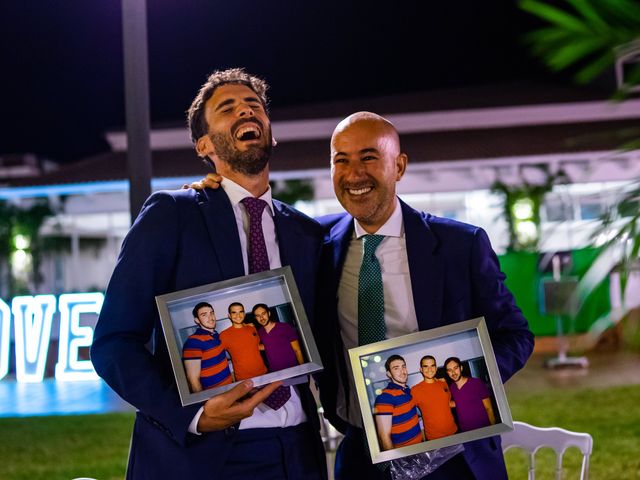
(32, 318)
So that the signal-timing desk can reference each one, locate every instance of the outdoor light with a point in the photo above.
(377, 359)
(367, 381)
(21, 242)
(19, 260)
(526, 231)
(523, 209)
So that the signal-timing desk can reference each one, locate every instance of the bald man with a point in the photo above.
(434, 272)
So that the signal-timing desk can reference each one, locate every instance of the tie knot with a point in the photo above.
(371, 242)
(254, 206)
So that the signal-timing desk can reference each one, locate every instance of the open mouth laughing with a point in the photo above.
(247, 131)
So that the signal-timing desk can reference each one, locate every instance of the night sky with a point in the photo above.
(62, 73)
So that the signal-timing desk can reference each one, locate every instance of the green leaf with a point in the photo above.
(548, 38)
(589, 12)
(554, 15)
(594, 68)
(575, 52)
(625, 11)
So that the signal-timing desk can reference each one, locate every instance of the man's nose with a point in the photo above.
(355, 170)
(245, 110)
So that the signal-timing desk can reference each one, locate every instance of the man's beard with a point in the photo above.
(250, 162)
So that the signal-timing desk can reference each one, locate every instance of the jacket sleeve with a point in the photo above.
(510, 335)
(129, 316)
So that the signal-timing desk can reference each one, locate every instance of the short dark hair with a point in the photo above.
(235, 304)
(261, 305)
(392, 358)
(426, 357)
(196, 119)
(199, 306)
(452, 359)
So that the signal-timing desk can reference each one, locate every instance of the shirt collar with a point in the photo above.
(236, 192)
(393, 227)
(202, 331)
(395, 386)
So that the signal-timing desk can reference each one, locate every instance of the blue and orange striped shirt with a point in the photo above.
(405, 426)
(206, 347)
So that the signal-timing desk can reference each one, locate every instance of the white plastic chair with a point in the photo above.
(532, 439)
(330, 436)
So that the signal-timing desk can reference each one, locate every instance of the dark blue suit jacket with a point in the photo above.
(455, 276)
(181, 239)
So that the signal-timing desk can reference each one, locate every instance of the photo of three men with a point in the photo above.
(434, 407)
(241, 350)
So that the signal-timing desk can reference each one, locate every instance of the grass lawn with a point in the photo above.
(611, 416)
(65, 447)
(96, 446)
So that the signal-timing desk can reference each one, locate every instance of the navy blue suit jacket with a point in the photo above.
(181, 239)
(455, 276)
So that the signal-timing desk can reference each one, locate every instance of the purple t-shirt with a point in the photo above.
(469, 406)
(277, 346)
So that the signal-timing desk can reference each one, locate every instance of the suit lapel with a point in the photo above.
(287, 231)
(426, 268)
(338, 241)
(221, 224)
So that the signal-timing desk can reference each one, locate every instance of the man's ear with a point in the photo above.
(401, 165)
(204, 146)
(389, 375)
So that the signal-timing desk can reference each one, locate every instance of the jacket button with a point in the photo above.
(229, 431)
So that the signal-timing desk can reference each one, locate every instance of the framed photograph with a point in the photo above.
(429, 390)
(225, 332)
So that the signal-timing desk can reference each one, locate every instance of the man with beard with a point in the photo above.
(420, 272)
(280, 340)
(187, 238)
(471, 396)
(395, 412)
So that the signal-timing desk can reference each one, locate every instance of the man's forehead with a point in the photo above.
(362, 137)
(231, 91)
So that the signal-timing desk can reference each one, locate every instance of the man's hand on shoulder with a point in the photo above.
(229, 408)
(212, 180)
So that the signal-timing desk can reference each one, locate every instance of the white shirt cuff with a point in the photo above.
(193, 426)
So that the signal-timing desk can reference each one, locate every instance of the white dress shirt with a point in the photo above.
(290, 413)
(399, 310)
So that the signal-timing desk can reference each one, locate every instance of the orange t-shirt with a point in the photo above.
(433, 401)
(242, 345)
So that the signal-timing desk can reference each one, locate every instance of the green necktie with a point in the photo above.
(371, 327)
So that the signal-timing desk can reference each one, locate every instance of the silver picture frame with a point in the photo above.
(276, 288)
(468, 340)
